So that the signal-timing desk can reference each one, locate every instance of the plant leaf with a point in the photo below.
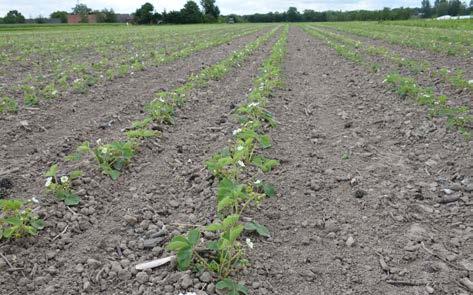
(193, 236)
(52, 171)
(259, 228)
(231, 287)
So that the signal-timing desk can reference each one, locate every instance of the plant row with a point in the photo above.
(222, 250)
(447, 42)
(67, 76)
(113, 158)
(455, 78)
(458, 117)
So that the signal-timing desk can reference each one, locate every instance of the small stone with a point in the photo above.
(151, 243)
(360, 194)
(86, 286)
(205, 277)
(93, 263)
(186, 281)
(350, 241)
(132, 220)
(173, 204)
(142, 277)
(429, 289)
(115, 266)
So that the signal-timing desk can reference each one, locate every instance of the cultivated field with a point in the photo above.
(309, 158)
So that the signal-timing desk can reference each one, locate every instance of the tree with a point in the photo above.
(83, 11)
(456, 7)
(106, 16)
(211, 11)
(62, 15)
(426, 9)
(293, 15)
(14, 17)
(442, 7)
(144, 14)
(191, 13)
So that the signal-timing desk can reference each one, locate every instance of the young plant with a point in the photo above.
(112, 157)
(61, 187)
(161, 111)
(17, 220)
(8, 105)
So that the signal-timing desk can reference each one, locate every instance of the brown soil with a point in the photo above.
(361, 191)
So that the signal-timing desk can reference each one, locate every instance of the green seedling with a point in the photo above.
(8, 105)
(142, 133)
(61, 187)
(17, 220)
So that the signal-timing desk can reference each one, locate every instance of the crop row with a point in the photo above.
(65, 77)
(435, 40)
(455, 78)
(458, 117)
(112, 158)
(237, 190)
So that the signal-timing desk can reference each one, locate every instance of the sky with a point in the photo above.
(33, 8)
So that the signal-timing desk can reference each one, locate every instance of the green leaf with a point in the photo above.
(260, 229)
(225, 203)
(231, 287)
(71, 199)
(184, 258)
(7, 233)
(37, 223)
(193, 236)
(214, 227)
(269, 190)
(235, 232)
(13, 220)
(230, 221)
(75, 174)
(213, 245)
(178, 243)
(52, 171)
(114, 174)
(265, 141)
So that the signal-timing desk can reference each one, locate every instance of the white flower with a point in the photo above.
(258, 181)
(104, 150)
(470, 82)
(235, 132)
(49, 180)
(240, 162)
(99, 141)
(239, 148)
(249, 243)
(64, 179)
(253, 104)
(34, 200)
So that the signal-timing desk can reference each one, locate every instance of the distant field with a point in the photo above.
(462, 24)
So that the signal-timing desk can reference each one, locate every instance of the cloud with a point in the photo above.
(33, 8)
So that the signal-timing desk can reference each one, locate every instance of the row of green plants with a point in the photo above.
(112, 158)
(456, 78)
(237, 189)
(448, 42)
(57, 77)
(458, 117)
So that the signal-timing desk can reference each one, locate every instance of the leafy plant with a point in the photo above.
(260, 229)
(17, 220)
(231, 287)
(61, 187)
(112, 157)
(161, 111)
(8, 105)
(264, 163)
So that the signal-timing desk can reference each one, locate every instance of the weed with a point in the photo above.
(17, 220)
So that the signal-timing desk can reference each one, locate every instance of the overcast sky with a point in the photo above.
(32, 8)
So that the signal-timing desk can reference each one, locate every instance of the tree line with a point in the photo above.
(208, 12)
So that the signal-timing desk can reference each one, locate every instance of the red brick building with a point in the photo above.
(76, 18)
